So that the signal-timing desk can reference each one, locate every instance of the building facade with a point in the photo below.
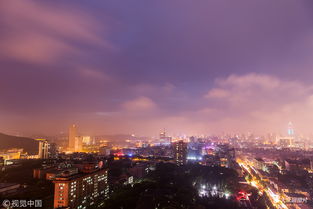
(72, 134)
(81, 190)
(180, 152)
(43, 149)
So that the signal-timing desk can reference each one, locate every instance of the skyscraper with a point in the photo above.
(43, 149)
(72, 134)
(162, 134)
(291, 131)
(180, 152)
(165, 140)
(78, 144)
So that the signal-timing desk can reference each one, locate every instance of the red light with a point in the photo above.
(243, 196)
(119, 154)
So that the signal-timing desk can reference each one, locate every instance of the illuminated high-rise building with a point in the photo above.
(291, 131)
(43, 149)
(86, 140)
(82, 190)
(78, 147)
(180, 152)
(72, 134)
(162, 134)
(165, 140)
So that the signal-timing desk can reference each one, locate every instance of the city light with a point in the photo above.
(156, 104)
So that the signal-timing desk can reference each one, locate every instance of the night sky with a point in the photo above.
(191, 67)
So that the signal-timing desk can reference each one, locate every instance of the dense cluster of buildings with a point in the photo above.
(288, 178)
(81, 182)
(81, 185)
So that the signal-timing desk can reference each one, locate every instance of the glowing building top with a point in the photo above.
(291, 131)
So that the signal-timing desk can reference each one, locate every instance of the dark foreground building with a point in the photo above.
(81, 190)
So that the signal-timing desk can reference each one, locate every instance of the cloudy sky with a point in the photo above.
(137, 67)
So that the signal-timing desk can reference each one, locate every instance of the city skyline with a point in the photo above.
(156, 104)
(191, 67)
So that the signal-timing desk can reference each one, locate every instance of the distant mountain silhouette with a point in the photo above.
(29, 145)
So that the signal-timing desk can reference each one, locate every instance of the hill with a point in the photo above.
(29, 145)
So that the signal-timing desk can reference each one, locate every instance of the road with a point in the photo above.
(248, 167)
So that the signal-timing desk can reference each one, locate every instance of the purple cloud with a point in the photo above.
(194, 67)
